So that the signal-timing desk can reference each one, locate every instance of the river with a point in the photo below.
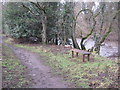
(109, 49)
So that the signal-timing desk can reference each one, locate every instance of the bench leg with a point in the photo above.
(76, 54)
(72, 54)
(83, 58)
(88, 57)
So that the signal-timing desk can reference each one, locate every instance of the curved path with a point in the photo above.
(41, 74)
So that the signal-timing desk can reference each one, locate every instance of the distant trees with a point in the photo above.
(47, 21)
(50, 22)
(106, 20)
(67, 22)
(19, 23)
(101, 20)
(45, 11)
(26, 20)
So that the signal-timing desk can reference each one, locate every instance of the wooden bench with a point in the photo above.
(82, 52)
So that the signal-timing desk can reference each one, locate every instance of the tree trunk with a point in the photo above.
(101, 40)
(74, 27)
(56, 39)
(64, 38)
(82, 45)
(44, 25)
(97, 48)
(75, 44)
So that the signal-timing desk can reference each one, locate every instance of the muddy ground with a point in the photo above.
(41, 74)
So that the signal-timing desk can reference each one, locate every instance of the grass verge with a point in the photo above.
(13, 72)
(100, 72)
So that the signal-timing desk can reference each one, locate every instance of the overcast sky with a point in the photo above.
(62, 0)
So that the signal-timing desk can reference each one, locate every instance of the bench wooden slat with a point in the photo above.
(80, 51)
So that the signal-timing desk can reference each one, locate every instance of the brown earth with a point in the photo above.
(41, 74)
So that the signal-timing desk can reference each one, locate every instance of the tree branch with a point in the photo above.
(82, 11)
(38, 6)
(28, 9)
(110, 27)
(83, 38)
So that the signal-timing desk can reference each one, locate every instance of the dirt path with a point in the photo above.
(41, 74)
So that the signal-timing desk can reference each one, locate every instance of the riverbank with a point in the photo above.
(100, 72)
(109, 49)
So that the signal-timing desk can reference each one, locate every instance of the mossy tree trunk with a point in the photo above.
(44, 25)
(90, 33)
(102, 39)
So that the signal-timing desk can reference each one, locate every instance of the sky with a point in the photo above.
(64, 0)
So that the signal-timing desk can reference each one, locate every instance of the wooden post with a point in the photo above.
(76, 54)
(72, 54)
(83, 57)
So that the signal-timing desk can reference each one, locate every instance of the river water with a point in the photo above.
(109, 49)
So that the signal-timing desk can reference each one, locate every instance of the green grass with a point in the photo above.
(99, 73)
(13, 70)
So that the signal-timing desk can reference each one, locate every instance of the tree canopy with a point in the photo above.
(53, 22)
